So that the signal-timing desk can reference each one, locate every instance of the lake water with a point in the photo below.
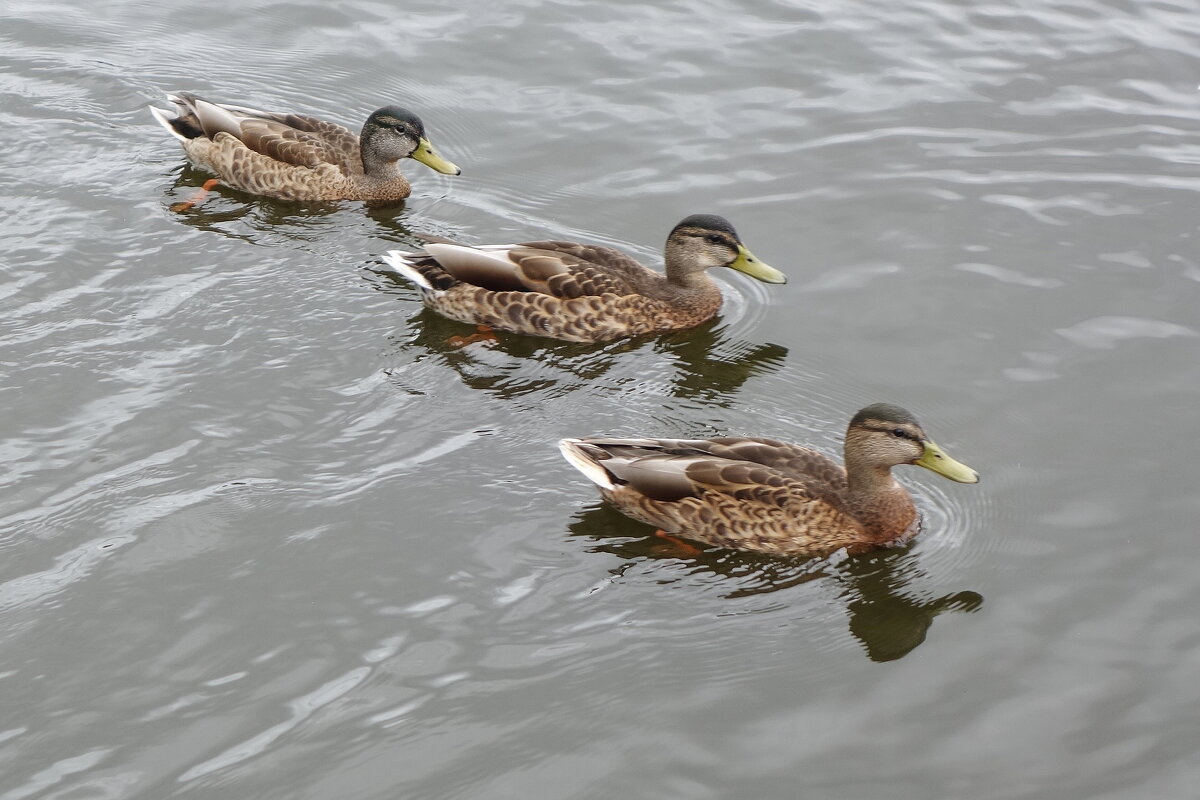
(264, 534)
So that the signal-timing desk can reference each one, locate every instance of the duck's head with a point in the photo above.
(703, 241)
(884, 436)
(393, 133)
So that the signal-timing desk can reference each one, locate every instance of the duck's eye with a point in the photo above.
(715, 238)
(900, 433)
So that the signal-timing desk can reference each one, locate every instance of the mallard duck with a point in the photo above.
(581, 292)
(767, 496)
(297, 157)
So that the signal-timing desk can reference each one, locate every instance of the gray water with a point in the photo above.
(264, 534)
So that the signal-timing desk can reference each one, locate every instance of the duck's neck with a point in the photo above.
(877, 501)
(687, 290)
(693, 280)
(374, 164)
(684, 276)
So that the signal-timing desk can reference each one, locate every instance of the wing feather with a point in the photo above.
(762, 470)
(296, 139)
(529, 269)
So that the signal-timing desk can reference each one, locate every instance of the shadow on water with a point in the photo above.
(712, 366)
(887, 618)
(510, 366)
(702, 363)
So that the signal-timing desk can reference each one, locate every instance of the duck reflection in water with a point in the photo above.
(703, 363)
(886, 615)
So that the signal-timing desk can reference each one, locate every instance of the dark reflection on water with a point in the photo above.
(509, 366)
(387, 217)
(712, 366)
(885, 615)
(705, 363)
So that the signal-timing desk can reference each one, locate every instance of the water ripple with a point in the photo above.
(298, 541)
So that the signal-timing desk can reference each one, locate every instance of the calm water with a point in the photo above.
(264, 535)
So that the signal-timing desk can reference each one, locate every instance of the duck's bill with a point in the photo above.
(429, 157)
(747, 263)
(934, 458)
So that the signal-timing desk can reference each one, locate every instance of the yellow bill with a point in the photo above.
(429, 157)
(747, 263)
(934, 458)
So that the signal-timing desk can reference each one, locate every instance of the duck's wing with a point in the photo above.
(289, 138)
(669, 470)
(560, 269)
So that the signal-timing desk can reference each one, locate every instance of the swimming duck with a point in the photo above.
(581, 292)
(767, 496)
(297, 157)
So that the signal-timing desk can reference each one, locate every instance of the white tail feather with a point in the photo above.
(398, 260)
(164, 118)
(578, 459)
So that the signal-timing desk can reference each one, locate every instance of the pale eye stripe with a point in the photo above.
(889, 428)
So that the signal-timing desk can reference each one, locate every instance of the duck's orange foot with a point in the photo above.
(483, 334)
(674, 546)
(197, 198)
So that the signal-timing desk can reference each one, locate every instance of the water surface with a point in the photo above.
(264, 534)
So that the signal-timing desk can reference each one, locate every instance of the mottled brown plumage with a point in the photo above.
(581, 292)
(768, 496)
(297, 157)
